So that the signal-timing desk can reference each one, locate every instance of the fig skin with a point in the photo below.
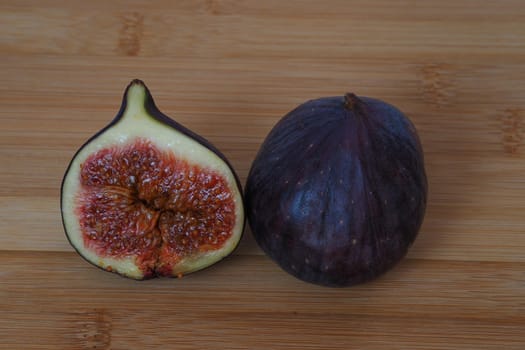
(155, 114)
(337, 192)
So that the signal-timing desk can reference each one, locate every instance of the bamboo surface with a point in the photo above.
(229, 70)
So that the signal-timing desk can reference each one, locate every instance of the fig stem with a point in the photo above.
(137, 82)
(355, 105)
(351, 101)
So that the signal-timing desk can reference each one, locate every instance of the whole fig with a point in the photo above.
(337, 192)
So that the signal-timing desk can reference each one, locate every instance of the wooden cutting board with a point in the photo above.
(229, 70)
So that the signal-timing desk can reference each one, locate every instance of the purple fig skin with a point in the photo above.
(154, 112)
(337, 192)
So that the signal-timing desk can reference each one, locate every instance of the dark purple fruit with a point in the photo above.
(146, 197)
(337, 192)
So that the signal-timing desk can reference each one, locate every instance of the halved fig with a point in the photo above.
(147, 197)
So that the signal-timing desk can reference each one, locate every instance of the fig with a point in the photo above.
(337, 192)
(147, 197)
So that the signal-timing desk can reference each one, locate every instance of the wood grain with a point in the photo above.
(229, 70)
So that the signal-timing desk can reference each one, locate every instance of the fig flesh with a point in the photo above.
(337, 192)
(147, 197)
